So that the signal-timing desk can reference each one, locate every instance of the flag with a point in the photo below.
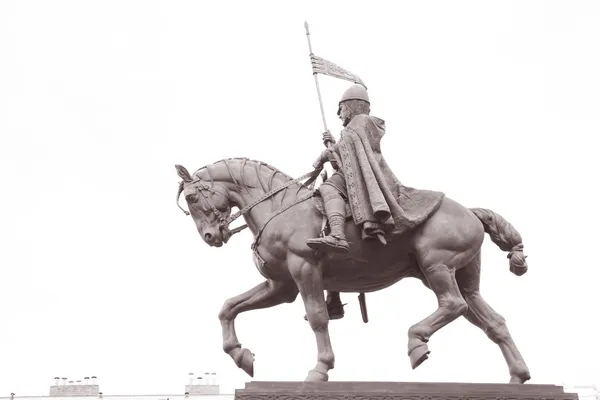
(322, 66)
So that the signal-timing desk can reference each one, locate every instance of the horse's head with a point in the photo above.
(208, 205)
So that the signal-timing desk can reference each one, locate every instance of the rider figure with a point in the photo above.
(354, 101)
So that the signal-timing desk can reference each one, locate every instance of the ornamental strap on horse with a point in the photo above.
(225, 222)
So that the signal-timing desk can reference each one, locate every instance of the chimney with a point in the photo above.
(12, 396)
(56, 380)
(206, 378)
(214, 378)
(86, 380)
(199, 380)
(71, 382)
(64, 381)
(79, 382)
(191, 378)
(93, 380)
(99, 395)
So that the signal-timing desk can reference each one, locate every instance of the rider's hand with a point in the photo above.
(328, 137)
(323, 158)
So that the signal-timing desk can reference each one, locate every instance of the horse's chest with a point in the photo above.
(268, 265)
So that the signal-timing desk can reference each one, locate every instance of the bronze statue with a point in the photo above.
(361, 231)
(428, 236)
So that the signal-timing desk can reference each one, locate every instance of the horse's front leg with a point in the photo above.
(267, 294)
(309, 279)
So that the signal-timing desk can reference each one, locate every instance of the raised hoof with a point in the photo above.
(316, 376)
(245, 360)
(418, 355)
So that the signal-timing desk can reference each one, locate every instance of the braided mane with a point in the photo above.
(256, 164)
(259, 166)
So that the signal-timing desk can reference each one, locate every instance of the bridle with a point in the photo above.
(204, 189)
(224, 222)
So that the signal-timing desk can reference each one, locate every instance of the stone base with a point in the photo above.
(399, 391)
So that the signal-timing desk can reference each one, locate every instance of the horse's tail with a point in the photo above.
(505, 236)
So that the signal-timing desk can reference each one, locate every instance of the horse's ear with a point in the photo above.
(183, 173)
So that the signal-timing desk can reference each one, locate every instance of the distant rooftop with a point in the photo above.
(166, 396)
(205, 386)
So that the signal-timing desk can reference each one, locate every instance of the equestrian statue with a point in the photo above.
(361, 231)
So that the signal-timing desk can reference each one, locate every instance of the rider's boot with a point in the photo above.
(335, 308)
(335, 208)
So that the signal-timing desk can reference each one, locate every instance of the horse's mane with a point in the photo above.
(256, 164)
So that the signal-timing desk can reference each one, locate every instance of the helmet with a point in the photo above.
(355, 92)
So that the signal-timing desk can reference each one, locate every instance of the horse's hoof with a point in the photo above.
(316, 376)
(418, 355)
(245, 360)
(519, 373)
(519, 379)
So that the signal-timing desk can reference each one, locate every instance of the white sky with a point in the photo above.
(494, 103)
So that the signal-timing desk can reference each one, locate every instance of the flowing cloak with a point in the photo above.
(376, 197)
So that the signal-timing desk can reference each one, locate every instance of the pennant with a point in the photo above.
(325, 67)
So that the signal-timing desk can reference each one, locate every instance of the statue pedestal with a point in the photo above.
(399, 391)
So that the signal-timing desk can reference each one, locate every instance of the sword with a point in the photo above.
(363, 307)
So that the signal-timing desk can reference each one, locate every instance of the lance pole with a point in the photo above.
(316, 79)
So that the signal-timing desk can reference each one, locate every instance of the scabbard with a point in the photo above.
(363, 307)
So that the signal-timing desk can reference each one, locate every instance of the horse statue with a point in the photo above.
(444, 252)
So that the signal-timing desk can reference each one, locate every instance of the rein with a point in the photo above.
(225, 222)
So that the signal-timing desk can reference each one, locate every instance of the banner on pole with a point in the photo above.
(325, 67)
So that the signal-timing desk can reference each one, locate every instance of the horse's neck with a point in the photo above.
(248, 181)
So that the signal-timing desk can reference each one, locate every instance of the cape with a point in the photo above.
(377, 199)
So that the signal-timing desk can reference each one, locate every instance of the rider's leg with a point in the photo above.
(335, 208)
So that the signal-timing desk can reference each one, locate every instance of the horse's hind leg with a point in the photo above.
(440, 277)
(493, 324)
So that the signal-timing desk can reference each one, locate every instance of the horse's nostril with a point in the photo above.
(208, 236)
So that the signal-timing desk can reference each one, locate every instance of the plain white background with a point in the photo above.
(494, 103)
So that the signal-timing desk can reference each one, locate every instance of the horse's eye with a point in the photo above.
(191, 198)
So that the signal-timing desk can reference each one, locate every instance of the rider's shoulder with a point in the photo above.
(360, 119)
(364, 120)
